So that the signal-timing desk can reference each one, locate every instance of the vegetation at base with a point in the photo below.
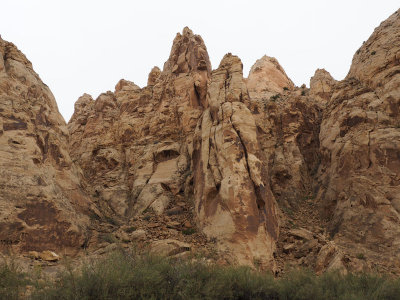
(129, 276)
(189, 231)
(130, 229)
(12, 281)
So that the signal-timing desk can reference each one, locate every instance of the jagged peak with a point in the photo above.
(188, 54)
(229, 60)
(321, 84)
(153, 76)
(125, 85)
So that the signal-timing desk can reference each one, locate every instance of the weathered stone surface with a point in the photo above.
(138, 234)
(359, 176)
(288, 132)
(49, 256)
(42, 205)
(321, 85)
(301, 233)
(267, 78)
(169, 247)
(329, 258)
(233, 200)
(131, 144)
(329, 156)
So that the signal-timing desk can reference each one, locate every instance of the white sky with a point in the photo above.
(87, 46)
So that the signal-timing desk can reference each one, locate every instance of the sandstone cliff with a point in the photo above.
(358, 179)
(42, 205)
(233, 199)
(266, 172)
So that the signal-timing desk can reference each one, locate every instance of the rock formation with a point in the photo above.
(267, 172)
(359, 175)
(233, 199)
(42, 204)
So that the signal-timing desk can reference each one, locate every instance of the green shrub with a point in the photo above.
(12, 281)
(189, 231)
(130, 229)
(107, 237)
(275, 97)
(360, 256)
(124, 275)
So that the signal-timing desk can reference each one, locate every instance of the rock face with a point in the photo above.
(287, 122)
(359, 176)
(132, 145)
(233, 199)
(265, 171)
(41, 201)
(267, 77)
(321, 85)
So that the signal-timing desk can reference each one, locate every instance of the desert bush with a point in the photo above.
(124, 275)
(12, 280)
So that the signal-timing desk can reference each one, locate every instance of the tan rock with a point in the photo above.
(329, 258)
(42, 205)
(49, 256)
(359, 175)
(33, 254)
(153, 76)
(125, 85)
(301, 233)
(234, 205)
(321, 85)
(131, 144)
(267, 77)
(169, 247)
(138, 234)
(288, 134)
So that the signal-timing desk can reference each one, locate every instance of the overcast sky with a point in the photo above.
(87, 46)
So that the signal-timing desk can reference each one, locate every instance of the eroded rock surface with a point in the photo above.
(42, 206)
(267, 172)
(359, 176)
(233, 200)
(132, 144)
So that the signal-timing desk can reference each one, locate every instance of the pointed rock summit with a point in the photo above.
(321, 84)
(188, 54)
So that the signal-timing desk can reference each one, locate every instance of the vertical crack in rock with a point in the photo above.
(233, 209)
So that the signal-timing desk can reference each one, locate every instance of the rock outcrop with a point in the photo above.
(132, 144)
(321, 85)
(267, 78)
(359, 176)
(42, 205)
(234, 203)
(266, 172)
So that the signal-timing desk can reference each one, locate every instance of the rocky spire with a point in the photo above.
(188, 54)
(234, 202)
